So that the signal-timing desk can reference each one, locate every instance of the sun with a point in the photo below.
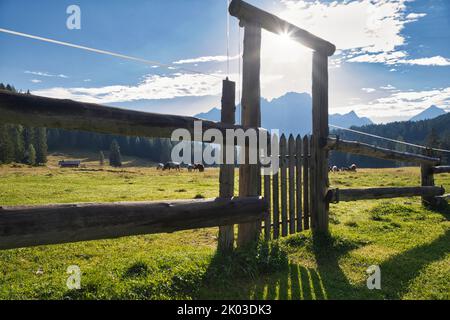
(285, 37)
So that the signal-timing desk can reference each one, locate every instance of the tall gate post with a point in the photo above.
(320, 206)
(427, 179)
(249, 174)
(226, 177)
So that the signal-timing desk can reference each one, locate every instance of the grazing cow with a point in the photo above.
(352, 168)
(199, 167)
(171, 165)
(160, 166)
(190, 167)
(334, 169)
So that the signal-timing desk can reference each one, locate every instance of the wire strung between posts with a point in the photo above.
(109, 53)
(388, 139)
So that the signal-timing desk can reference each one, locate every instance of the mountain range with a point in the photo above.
(291, 113)
(429, 113)
(434, 133)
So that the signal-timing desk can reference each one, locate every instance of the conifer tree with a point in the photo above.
(115, 158)
(41, 145)
(30, 155)
(102, 158)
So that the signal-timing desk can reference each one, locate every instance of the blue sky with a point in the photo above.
(393, 57)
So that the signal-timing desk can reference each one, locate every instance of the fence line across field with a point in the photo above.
(390, 139)
(296, 198)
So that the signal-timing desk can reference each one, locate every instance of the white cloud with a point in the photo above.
(206, 59)
(368, 90)
(398, 57)
(46, 74)
(384, 57)
(364, 30)
(36, 81)
(415, 16)
(403, 104)
(432, 61)
(152, 87)
(389, 87)
(369, 26)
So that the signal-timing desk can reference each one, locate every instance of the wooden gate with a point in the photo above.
(288, 190)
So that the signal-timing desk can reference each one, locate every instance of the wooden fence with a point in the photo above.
(296, 198)
(38, 225)
(288, 191)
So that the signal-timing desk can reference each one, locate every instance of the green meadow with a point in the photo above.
(410, 243)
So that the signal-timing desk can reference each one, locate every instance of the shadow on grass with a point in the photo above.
(263, 275)
(264, 272)
(400, 270)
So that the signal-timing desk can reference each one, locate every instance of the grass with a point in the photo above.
(411, 244)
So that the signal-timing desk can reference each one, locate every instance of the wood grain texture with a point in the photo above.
(268, 197)
(427, 179)
(298, 182)
(249, 174)
(320, 134)
(226, 174)
(283, 186)
(52, 224)
(337, 195)
(306, 184)
(276, 202)
(291, 173)
(250, 14)
(37, 111)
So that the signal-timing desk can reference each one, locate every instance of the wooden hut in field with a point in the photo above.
(69, 163)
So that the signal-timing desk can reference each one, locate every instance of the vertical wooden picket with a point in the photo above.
(306, 182)
(267, 196)
(298, 153)
(283, 176)
(291, 164)
(275, 201)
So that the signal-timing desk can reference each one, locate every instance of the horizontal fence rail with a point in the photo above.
(441, 169)
(35, 111)
(54, 224)
(336, 195)
(444, 197)
(250, 14)
(369, 150)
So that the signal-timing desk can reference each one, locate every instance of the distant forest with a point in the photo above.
(30, 145)
(434, 133)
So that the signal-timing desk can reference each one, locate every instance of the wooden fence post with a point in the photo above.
(320, 136)
(427, 179)
(226, 177)
(249, 174)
